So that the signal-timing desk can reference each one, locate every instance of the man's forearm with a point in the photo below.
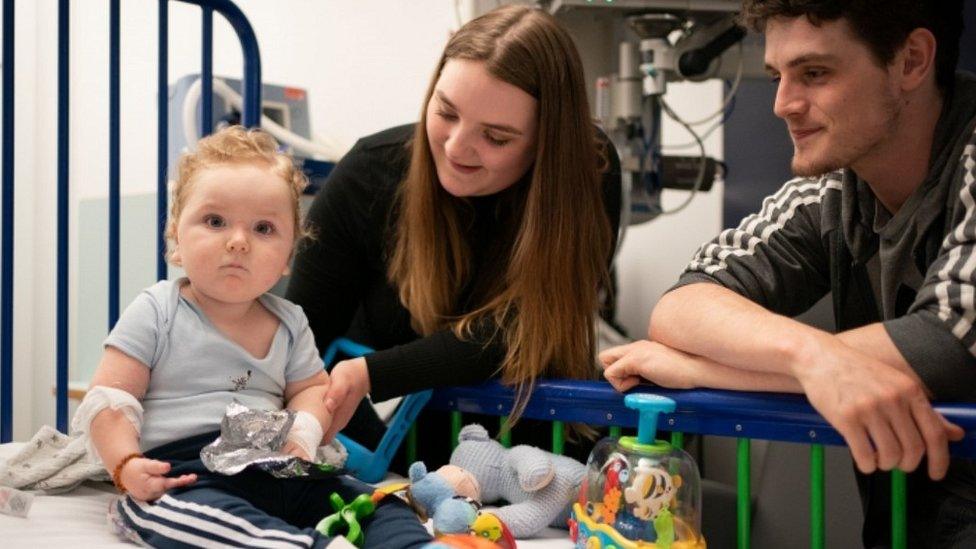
(739, 333)
(705, 372)
(716, 323)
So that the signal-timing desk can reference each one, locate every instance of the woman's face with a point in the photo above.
(482, 131)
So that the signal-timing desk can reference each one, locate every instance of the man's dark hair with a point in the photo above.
(883, 26)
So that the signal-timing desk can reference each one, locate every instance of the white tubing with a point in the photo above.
(298, 143)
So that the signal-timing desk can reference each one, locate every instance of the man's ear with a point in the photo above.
(916, 59)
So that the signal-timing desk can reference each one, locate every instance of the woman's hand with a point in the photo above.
(144, 479)
(348, 387)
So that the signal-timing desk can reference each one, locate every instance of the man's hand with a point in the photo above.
(349, 386)
(882, 413)
(626, 365)
(144, 479)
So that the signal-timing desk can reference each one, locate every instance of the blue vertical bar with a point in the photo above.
(206, 74)
(251, 87)
(7, 224)
(64, 46)
(113, 165)
(162, 139)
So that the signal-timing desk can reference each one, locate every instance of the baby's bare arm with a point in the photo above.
(308, 395)
(114, 436)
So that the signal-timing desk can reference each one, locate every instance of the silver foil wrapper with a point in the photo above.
(253, 438)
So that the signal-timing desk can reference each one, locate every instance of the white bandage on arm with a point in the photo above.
(306, 432)
(97, 399)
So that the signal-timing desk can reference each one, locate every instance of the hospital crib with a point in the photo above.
(744, 416)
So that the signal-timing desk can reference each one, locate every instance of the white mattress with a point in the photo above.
(78, 520)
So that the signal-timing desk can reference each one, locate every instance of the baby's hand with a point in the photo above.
(144, 479)
(294, 449)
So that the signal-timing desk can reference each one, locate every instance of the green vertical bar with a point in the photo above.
(558, 438)
(455, 428)
(899, 493)
(745, 499)
(412, 444)
(817, 528)
(615, 431)
(504, 432)
(678, 439)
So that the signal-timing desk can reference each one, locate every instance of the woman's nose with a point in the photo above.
(458, 146)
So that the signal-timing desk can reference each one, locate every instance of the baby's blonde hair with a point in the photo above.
(234, 145)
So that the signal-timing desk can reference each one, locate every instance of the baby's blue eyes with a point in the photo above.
(264, 228)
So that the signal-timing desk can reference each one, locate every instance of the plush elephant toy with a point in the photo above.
(539, 486)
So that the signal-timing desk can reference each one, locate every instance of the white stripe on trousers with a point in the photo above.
(234, 537)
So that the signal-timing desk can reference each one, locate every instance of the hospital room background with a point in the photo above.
(360, 66)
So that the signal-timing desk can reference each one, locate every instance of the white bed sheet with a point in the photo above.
(78, 520)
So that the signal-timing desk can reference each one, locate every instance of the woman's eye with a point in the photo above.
(214, 221)
(447, 115)
(495, 141)
(264, 228)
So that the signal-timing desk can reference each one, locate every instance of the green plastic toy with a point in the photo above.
(345, 520)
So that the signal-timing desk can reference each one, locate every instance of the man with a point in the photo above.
(883, 215)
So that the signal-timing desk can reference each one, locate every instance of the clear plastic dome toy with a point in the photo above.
(639, 493)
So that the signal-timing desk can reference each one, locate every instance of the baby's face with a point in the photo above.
(236, 232)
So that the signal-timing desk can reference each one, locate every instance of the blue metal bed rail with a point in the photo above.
(763, 416)
(251, 117)
(743, 415)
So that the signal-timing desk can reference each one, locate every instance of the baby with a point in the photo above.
(184, 349)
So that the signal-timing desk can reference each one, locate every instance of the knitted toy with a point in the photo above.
(538, 485)
(433, 494)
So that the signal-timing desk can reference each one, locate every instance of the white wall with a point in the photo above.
(365, 65)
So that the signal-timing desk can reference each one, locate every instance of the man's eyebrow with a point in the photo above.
(805, 59)
(500, 127)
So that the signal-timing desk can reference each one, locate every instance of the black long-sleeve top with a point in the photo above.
(340, 280)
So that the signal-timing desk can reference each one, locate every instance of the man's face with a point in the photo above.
(839, 104)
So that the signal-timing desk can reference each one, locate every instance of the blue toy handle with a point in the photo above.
(362, 463)
(649, 406)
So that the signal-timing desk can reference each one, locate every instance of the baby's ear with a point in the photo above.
(174, 256)
(287, 270)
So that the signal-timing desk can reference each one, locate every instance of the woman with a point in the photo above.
(475, 242)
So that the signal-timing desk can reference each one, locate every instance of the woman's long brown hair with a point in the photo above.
(544, 302)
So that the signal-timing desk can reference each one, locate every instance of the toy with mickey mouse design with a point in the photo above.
(639, 493)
